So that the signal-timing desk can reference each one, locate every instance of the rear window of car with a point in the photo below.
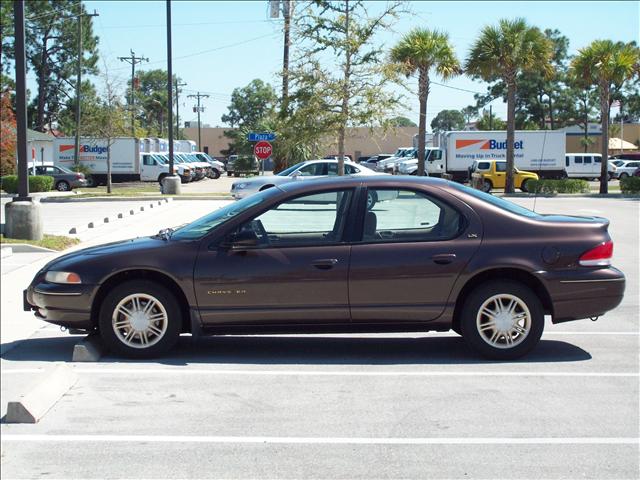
(496, 201)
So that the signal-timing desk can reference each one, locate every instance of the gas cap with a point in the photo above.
(550, 255)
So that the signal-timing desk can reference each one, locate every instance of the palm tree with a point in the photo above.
(502, 52)
(605, 63)
(419, 51)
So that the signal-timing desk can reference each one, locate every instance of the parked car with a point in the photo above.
(625, 168)
(217, 167)
(64, 180)
(494, 175)
(637, 172)
(180, 167)
(389, 165)
(301, 171)
(309, 257)
(373, 160)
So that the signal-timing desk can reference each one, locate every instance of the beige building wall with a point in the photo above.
(360, 141)
(631, 133)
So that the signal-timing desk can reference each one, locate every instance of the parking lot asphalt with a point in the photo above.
(346, 406)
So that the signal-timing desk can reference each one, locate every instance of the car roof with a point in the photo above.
(327, 160)
(351, 181)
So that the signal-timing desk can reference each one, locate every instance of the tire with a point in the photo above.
(493, 342)
(63, 186)
(215, 174)
(486, 185)
(372, 199)
(229, 174)
(623, 175)
(90, 182)
(524, 187)
(564, 176)
(161, 334)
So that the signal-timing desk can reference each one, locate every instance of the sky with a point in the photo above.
(222, 45)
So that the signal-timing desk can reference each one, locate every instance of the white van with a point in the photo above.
(585, 165)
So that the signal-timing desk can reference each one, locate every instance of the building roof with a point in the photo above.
(33, 136)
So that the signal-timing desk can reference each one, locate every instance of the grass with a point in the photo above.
(52, 242)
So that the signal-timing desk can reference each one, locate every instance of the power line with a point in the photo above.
(133, 61)
(230, 22)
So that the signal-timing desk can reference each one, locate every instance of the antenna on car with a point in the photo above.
(535, 193)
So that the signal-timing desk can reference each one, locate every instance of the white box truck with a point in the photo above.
(128, 162)
(539, 151)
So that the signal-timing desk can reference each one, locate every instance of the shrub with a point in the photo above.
(37, 183)
(630, 185)
(551, 187)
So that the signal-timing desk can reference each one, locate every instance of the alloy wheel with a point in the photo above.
(503, 321)
(139, 320)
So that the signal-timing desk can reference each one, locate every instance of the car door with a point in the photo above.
(500, 174)
(412, 249)
(296, 272)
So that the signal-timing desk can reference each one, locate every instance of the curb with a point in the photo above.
(135, 199)
(26, 248)
(41, 396)
(96, 223)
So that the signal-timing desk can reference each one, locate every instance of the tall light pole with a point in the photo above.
(178, 85)
(199, 95)
(76, 148)
(133, 60)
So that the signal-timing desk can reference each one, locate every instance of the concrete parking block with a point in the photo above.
(42, 396)
(120, 215)
(106, 220)
(90, 349)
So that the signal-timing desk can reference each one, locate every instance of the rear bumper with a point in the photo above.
(583, 293)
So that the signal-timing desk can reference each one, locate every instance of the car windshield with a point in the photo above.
(202, 226)
(496, 201)
(65, 169)
(289, 170)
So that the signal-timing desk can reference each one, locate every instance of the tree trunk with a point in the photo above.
(42, 79)
(511, 126)
(552, 125)
(423, 94)
(604, 111)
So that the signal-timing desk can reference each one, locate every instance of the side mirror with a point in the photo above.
(242, 240)
(296, 175)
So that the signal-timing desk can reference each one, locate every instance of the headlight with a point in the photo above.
(62, 277)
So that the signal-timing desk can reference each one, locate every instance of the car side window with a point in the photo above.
(578, 159)
(148, 160)
(501, 166)
(408, 216)
(332, 169)
(350, 170)
(587, 159)
(484, 166)
(303, 221)
(313, 170)
(566, 159)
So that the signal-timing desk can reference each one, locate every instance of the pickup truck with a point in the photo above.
(494, 174)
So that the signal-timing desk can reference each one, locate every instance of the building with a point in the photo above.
(39, 147)
(359, 141)
(629, 132)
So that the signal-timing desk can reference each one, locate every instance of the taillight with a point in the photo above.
(79, 176)
(599, 256)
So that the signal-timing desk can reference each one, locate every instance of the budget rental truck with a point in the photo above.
(539, 151)
(129, 162)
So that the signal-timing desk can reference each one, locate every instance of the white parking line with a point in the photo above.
(324, 440)
(325, 373)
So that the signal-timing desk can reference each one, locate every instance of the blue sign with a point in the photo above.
(258, 137)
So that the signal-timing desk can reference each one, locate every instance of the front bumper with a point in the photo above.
(583, 293)
(79, 183)
(66, 305)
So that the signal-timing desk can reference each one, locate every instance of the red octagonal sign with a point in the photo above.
(262, 150)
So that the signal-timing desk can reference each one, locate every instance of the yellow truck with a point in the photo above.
(494, 174)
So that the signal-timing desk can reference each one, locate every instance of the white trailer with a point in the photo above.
(539, 151)
(128, 162)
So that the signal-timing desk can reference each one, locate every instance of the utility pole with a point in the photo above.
(178, 85)
(199, 109)
(490, 117)
(76, 149)
(133, 60)
(286, 9)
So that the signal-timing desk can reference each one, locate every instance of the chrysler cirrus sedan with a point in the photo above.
(312, 257)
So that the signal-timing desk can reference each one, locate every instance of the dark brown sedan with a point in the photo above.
(341, 255)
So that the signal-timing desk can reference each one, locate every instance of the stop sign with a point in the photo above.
(262, 150)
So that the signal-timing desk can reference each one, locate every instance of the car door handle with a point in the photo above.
(325, 263)
(443, 258)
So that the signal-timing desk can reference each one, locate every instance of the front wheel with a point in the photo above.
(140, 319)
(486, 186)
(525, 186)
(502, 320)
(372, 199)
(215, 174)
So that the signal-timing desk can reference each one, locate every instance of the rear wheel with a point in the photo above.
(140, 319)
(623, 175)
(487, 185)
(502, 320)
(372, 199)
